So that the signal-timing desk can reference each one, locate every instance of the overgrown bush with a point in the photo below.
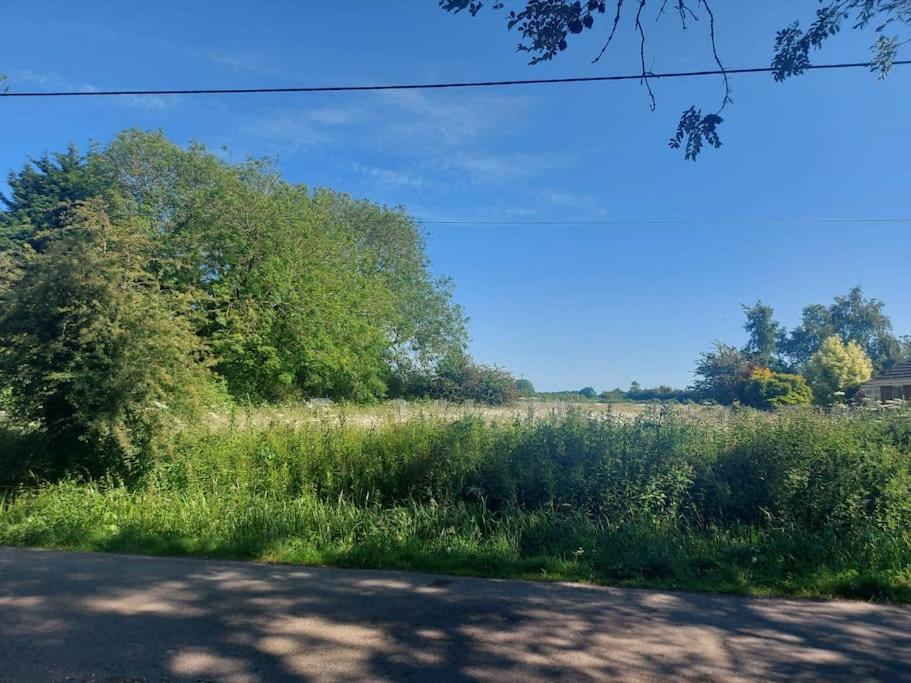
(458, 378)
(766, 389)
(93, 349)
(837, 367)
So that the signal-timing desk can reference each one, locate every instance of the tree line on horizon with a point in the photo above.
(827, 356)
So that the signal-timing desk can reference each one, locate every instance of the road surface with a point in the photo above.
(87, 617)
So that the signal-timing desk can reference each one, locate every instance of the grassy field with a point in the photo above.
(797, 502)
(402, 411)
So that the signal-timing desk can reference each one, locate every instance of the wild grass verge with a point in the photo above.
(796, 502)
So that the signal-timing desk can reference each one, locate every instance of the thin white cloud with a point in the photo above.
(388, 176)
(297, 128)
(245, 62)
(414, 139)
(489, 167)
(445, 118)
(401, 120)
(238, 60)
(53, 81)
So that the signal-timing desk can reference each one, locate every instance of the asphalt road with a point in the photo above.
(88, 617)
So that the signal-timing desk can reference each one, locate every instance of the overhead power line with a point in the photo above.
(430, 86)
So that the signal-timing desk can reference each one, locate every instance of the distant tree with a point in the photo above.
(525, 387)
(805, 339)
(613, 395)
(458, 378)
(767, 389)
(546, 26)
(720, 374)
(852, 318)
(764, 334)
(662, 392)
(862, 320)
(588, 392)
(635, 387)
(835, 367)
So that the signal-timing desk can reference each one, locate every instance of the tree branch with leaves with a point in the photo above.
(546, 26)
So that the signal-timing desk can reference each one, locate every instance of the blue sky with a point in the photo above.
(566, 305)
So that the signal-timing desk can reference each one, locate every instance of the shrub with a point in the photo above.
(766, 389)
(720, 374)
(458, 378)
(92, 349)
(835, 367)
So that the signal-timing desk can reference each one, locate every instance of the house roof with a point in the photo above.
(897, 371)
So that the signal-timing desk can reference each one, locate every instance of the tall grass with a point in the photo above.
(791, 502)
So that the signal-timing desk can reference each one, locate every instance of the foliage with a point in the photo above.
(566, 396)
(837, 367)
(793, 45)
(851, 317)
(796, 501)
(764, 334)
(458, 378)
(525, 388)
(91, 347)
(587, 392)
(660, 393)
(424, 323)
(720, 374)
(767, 389)
(547, 26)
(42, 194)
(635, 393)
(295, 293)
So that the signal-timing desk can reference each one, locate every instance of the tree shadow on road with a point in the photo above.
(82, 616)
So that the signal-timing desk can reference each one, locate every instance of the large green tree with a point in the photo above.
(547, 26)
(294, 292)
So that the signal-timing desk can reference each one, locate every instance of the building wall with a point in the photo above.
(900, 388)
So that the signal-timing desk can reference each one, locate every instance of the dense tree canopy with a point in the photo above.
(547, 26)
(293, 292)
(852, 317)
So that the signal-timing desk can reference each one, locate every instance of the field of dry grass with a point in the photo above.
(401, 411)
